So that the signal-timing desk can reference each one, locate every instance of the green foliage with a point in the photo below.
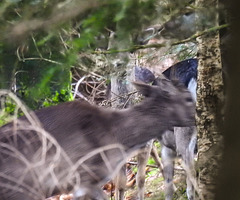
(123, 17)
(139, 12)
(4, 118)
(9, 107)
(151, 161)
(38, 66)
(153, 172)
(8, 111)
(38, 63)
(180, 194)
(157, 144)
(134, 169)
(59, 97)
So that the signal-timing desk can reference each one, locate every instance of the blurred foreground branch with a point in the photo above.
(62, 13)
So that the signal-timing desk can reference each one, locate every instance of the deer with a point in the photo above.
(177, 142)
(182, 141)
(77, 147)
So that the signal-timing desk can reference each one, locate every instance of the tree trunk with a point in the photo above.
(229, 180)
(209, 110)
(123, 71)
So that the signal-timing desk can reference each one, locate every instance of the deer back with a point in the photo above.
(81, 145)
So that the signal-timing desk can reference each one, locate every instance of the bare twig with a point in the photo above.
(157, 45)
(148, 165)
(76, 88)
(34, 42)
(207, 31)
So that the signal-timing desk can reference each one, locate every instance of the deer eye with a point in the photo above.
(188, 13)
(189, 99)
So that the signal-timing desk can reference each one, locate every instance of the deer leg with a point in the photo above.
(120, 184)
(168, 156)
(189, 167)
(142, 162)
(190, 189)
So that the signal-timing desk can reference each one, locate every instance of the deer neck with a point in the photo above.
(136, 126)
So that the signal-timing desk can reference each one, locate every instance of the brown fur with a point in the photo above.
(34, 165)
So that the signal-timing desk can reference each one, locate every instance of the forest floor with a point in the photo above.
(154, 185)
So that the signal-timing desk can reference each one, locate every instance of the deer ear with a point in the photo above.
(161, 81)
(144, 89)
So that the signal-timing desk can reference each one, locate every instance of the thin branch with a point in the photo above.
(23, 59)
(210, 30)
(43, 59)
(64, 43)
(148, 165)
(34, 42)
(128, 99)
(157, 45)
(130, 49)
(61, 13)
(77, 86)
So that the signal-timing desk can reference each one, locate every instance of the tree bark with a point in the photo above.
(229, 179)
(209, 110)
